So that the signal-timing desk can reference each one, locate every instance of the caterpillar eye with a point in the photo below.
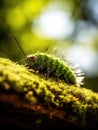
(32, 58)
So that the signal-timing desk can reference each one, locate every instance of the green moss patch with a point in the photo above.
(81, 103)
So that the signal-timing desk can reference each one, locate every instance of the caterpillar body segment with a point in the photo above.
(54, 67)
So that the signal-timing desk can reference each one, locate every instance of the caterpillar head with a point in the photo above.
(30, 59)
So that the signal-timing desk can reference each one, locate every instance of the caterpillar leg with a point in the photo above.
(47, 74)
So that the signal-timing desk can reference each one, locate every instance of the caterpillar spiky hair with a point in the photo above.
(53, 66)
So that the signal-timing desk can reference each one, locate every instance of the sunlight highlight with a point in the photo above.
(54, 24)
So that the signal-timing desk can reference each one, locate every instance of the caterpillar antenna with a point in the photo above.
(20, 47)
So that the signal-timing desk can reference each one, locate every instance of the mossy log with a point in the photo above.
(29, 100)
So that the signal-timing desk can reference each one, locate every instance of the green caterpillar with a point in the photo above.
(54, 67)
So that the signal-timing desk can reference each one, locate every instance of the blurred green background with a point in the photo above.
(69, 26)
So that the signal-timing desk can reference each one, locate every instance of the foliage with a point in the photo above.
(17, 21)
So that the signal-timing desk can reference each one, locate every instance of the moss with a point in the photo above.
(81, 103)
